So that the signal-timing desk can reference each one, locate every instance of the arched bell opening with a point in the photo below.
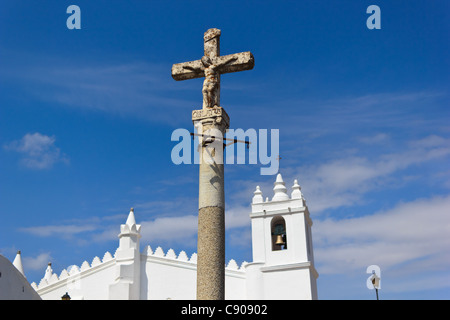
(278, 231)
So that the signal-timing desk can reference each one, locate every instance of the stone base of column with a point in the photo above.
(211, 254)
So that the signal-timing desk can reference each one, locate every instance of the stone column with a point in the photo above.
(212, 123)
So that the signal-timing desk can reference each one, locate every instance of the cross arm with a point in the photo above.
(238, 62)
(188, 70)
(226, 64)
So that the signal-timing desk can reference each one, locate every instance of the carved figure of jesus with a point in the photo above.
(211, 84)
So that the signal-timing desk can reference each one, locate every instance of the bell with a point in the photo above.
(280, 241)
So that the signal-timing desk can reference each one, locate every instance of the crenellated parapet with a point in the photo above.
(132, 273)
(73, 272)
(182, 257)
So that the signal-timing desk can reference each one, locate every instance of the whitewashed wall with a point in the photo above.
(13, 285)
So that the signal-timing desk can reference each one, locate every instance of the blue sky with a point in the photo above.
(86, 118)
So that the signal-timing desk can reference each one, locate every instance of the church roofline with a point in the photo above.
(158, 256)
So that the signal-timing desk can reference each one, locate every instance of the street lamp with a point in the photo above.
(65, 297)
(376, 282)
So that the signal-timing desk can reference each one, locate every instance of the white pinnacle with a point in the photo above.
(131, 220)
(130, 226)
(18, 263)
(48, 272)
(257, 196)
(280, 191)
(296, 191)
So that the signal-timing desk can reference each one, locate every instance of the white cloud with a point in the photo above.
(182, 229)
(135, 88)
(36, 263)
(38, 151)
(404, 241)
(65, 231)
(161, 230)
(375, 139)
(345, 181)
(238, 216)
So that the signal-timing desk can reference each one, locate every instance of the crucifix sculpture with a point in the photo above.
(212, 117)
(211, 66)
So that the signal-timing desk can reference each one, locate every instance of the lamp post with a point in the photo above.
(65, 297)
(375, 282)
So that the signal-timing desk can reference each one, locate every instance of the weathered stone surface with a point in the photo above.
(211, 254)
(211, 40)
(211, 66)
(244, 61)
(209, 113)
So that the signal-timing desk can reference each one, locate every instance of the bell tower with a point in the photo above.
(282, 246)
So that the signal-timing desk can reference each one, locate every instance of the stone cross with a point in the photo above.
(211, 66)
(211, 118)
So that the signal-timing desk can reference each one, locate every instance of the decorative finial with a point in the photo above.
(257, 196)
(296, 191)
(48, 272)
(130, 225)
(18, 263)
(131, 220)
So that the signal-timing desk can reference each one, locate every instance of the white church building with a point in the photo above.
(282, 266)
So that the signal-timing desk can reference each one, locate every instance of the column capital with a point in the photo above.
(216, 114)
